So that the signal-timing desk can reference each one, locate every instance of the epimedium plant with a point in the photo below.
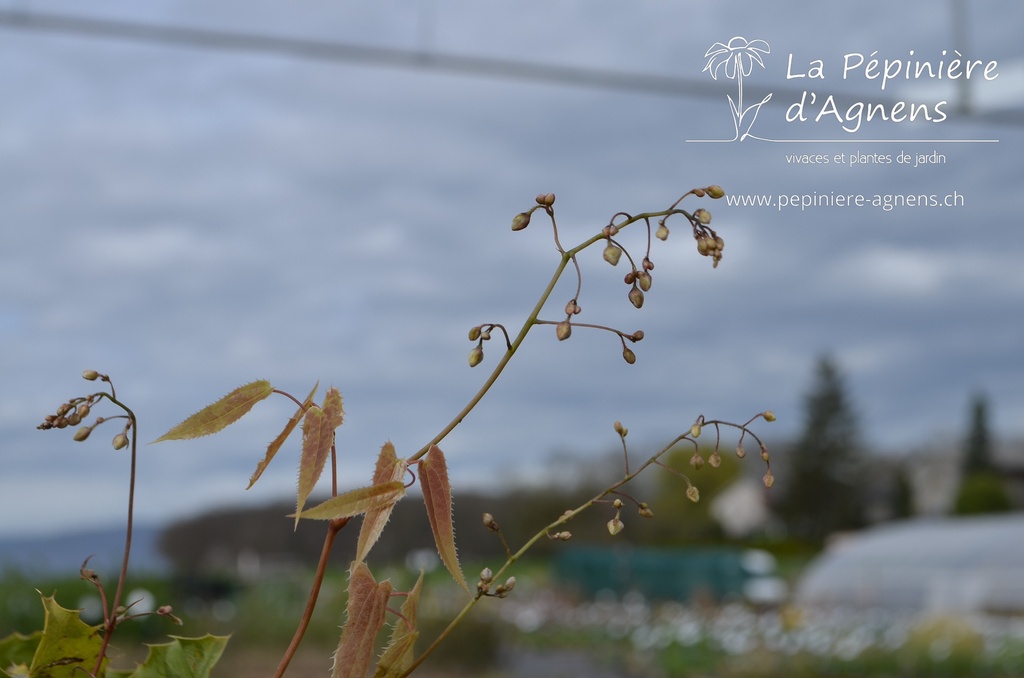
(67, 646)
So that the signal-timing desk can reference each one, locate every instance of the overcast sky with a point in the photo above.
(188, 219)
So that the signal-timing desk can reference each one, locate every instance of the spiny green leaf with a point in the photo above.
(389, 468)
(68, 648)
(355, 502)
(180, 658)
(398, 656)
(437, 495)
(16, 651)
(317, 438)
(279, 440)
(367, 606)
(221, 414)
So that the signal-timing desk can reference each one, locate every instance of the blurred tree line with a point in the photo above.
(828, 483)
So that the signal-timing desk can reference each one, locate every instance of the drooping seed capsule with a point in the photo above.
(82, 433)
(703, 216)
(636, 297)
(615, 526)
(474, 333)
(768, 415)
(715, 191)
(693, 494)
(662, 232)
(120, 441)
(628, 356)
(611, 254)
(644, 281)
(695, 431)
(563, 330)
(476, 356)
(768, 480)
(90, 375)
(521, 221)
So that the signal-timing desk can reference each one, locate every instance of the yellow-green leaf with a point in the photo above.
(279, 440)
(398, 656)
(180, 658)
(367, 606)
(437, 495)
(68, 647)
(355, 502)
(317, 439)
(220, 414)
(389, 468)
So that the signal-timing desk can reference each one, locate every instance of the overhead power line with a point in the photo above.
(365, 55)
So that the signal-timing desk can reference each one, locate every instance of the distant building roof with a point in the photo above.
(951, 564)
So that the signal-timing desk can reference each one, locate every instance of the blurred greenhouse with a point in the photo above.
(970, 564)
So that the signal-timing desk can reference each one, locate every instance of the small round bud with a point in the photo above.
(570, 307)
(82, 433)
(638, 335)
(697, 461)
(63, 409)
(719, 245)
(715, 191)
(610, 230)
(563, 330)
(509, 584)
(768, 415)
(474, 334)
(695, 431)
(636, 297)
(764, 454)
(617, 503)
(120, 441)
(476, 356)
(740, 452)
(699, 192)
(485, 335)
(83, 410)
(61, 422)
(630, 278)
(620, 429)
(521, 221)
(546, 199)
(662, 232)
(704, 246)
(74, 419)
(90, 375)
(645, 510)
(693, 494)
(615, 526)
(490, 523)
(564, 536)
(612, 254)
(715, 460)
(648, 264)
(644, 281)
(628, 356)
(703, 216)
(768, 479)
(486, 576)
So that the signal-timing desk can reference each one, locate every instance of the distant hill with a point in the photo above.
(63, 553)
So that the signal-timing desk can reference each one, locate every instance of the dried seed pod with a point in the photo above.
(662, 232)
(636, 297)
(611, 254)
(120, 441)
(615, 526)
(563, 330)
(715, 191)
(521, 221)
(628, 355)
(644, 281)
(693, 494)
(476, 356)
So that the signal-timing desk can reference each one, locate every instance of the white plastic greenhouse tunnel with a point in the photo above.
(956, 565)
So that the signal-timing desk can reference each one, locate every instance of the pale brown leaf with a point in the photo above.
(219, 415)
(367, 606)
(317, 438)
(274, 446)
(355, 502)
(398, 656)
(389, 468)
(437, 495)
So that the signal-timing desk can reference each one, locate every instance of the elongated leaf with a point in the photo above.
(355, 502)
(279, 440)
(180, 658)
(68, 647)
(398, 656)
(389, 468)
(367, 606)
(437, 495)
(317, 438)
(220, 414)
